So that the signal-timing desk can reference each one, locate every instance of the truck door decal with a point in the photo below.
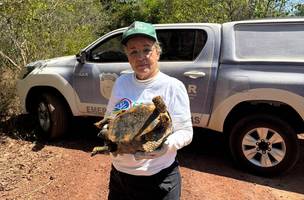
(106, 83)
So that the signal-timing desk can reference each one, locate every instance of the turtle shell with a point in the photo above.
(141, 128)
(128, 124)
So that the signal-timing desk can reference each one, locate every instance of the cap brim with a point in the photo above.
(125, 40)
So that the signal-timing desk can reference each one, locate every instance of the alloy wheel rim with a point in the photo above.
(263, 147)
(44, 117)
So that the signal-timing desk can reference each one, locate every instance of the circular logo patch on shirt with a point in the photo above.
(123, 104)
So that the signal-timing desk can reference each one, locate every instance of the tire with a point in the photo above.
(51, 115)
(264, 144)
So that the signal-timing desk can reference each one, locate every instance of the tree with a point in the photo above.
(123, 12)
(42, 29)
(299, 9)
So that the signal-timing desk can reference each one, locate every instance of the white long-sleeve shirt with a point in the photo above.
(129, 91)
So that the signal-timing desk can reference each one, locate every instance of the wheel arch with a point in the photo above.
(279, 109)
(36, 91)
(274, 101)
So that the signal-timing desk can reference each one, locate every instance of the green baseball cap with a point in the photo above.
(139, 28)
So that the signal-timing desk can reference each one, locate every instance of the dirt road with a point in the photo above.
(64, 170)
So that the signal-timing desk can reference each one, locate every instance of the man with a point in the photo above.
(152, 175)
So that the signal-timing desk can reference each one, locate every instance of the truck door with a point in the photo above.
(188, 53)
(93, 80)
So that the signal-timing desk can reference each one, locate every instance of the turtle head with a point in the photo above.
(103, 122)
(103, 131)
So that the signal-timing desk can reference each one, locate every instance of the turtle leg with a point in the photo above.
(108, 147)
(156, 137)
(97, 150)
(159, 104)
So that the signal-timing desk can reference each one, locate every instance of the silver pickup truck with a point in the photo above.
(245, 79)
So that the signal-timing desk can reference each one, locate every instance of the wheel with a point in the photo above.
(264, 144)
(51, 115)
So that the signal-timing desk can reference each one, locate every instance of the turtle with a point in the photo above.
(143, 127)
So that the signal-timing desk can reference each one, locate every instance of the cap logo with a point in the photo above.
(139, 28)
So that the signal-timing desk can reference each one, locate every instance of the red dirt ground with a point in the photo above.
(65, 170)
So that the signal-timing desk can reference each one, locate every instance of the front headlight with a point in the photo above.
(31, 66)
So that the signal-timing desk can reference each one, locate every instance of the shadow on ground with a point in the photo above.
(81, 136)
(207, 153)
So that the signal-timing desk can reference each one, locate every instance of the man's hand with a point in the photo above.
(151, 155)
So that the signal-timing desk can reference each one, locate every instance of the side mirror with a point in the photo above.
(81, 57)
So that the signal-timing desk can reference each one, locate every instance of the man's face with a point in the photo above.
(143, 57)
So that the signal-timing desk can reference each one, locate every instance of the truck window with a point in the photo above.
(181, 44)
(275, 42)
(109, 50)
(177, 45)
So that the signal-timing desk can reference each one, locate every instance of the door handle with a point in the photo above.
(194, 74)
(127, 71)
